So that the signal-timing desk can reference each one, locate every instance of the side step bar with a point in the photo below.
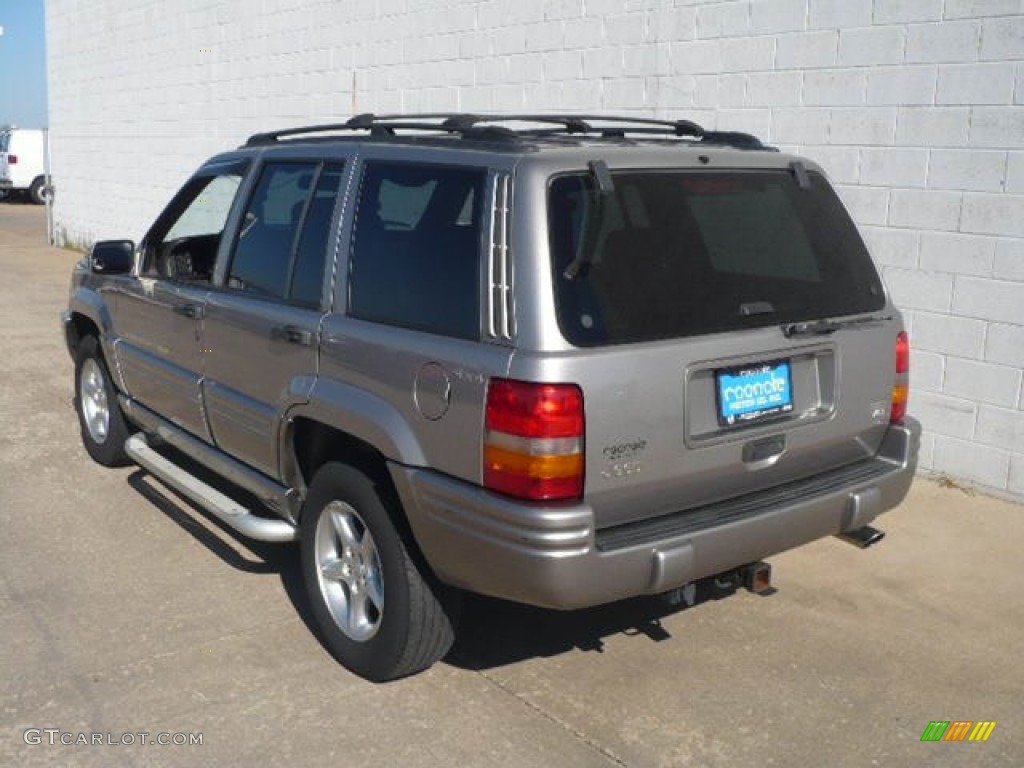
(228, 511)
(282, 500)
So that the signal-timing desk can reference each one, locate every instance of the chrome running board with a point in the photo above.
(284, 501)
(227, 510)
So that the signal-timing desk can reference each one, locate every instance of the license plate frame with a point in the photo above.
(753, 393)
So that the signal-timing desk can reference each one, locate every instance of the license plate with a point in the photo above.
(753, 392)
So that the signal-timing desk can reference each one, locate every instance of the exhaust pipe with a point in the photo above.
(862, 538)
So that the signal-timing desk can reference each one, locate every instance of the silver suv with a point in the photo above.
(560, 360)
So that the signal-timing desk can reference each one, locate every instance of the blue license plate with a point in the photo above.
(754, 392)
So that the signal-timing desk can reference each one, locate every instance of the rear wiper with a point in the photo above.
(605, 190)
(826, 327)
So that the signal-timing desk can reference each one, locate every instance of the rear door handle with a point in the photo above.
(293, 334)
(195, 311)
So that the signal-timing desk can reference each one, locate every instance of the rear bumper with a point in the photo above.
(552, 556)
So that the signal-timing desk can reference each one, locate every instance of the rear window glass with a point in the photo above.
(667, 254)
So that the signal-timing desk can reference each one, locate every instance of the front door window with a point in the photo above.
(183, 245)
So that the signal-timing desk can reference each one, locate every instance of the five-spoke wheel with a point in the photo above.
(381, 613)
(104, 429)
(94, 400)
(350, 573)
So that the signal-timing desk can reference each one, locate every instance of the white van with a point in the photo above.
(21, 163)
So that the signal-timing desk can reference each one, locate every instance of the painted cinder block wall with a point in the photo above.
(915, 108)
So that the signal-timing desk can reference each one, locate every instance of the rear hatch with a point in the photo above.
(693, 302)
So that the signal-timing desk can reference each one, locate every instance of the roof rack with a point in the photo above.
(468, 125)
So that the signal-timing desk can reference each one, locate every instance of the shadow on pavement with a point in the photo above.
(17, 198)
(492, 633)
(270, 557)
(224, 542)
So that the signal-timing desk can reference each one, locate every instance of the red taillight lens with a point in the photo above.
(901, 387)
(12, 159)
(902, 352)
(535, 410)
(533, 443)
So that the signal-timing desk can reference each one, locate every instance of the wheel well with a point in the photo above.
(81, 326)
(315, 443)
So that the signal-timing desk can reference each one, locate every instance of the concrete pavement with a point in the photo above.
(123, 611)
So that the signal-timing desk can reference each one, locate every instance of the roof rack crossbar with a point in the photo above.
(735, 139)
(492, 126)
(367, 121)
(678, 127)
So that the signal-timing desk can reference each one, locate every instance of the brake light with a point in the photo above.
(12, 159)
(901, 387)
(533, 440)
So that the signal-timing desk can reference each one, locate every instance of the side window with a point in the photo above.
(415, 255)
(208, 212)
(183, 245)
(307, 278)
(269, 226)
(282, 243)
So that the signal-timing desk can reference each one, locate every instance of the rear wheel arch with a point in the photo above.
(312, 443)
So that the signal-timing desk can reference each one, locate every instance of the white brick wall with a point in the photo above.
(915, 107)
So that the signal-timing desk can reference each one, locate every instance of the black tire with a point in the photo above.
(106, 448)
(37, 192)
(415, 626)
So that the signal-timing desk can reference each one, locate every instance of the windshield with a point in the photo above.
(666, 254)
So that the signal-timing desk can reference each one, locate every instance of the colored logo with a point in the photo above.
(958, 730)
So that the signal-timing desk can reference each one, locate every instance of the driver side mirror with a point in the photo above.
(112, 257)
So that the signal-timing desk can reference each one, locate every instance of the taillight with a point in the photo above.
(533, 440)
(901, 387)
(12, 159)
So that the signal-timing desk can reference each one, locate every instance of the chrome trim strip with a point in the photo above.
(500, 322)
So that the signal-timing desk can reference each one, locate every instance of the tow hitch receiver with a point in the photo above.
(862, 538)
(757, 578)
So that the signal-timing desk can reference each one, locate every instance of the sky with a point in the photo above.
(22, 64)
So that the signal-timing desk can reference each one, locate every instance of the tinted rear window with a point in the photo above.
(670, 254)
